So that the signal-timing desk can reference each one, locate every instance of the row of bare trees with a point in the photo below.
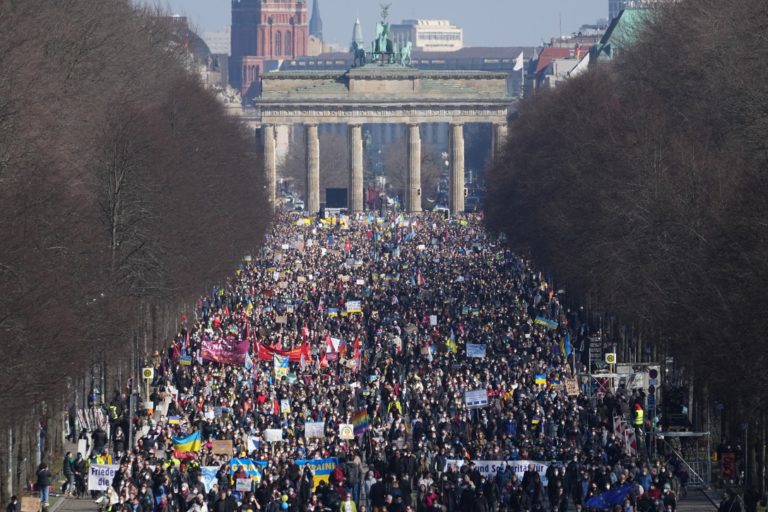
(642, 187)
(124, 189)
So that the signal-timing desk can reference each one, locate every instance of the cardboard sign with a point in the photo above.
(30, 504)
(571, 387)
(221, 447)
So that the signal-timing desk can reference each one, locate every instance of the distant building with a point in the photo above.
(263, 34)
(428, 35)
(616, 6)
(219, 42)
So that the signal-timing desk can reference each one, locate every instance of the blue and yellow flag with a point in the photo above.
(540, 379)
(565, 345)
(191, 443)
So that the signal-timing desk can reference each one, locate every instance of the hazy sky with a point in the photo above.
(485, 22)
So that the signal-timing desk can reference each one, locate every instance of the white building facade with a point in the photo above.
(428, 35)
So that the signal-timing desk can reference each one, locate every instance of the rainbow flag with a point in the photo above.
(191, 443)
(360, 422)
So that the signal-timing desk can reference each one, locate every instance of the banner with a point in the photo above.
(266, 353)
(322, 468)
(476, 350)
(209, 476)
(252, 467)
(100, 476)
(489, 468)
(354, 306)
(226, 351)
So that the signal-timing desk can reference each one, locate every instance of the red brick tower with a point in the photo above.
(264, 31)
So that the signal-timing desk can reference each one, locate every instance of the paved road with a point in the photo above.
(696, 502)
(73, 505)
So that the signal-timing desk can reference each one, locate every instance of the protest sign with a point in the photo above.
(346, 431)
(100, 476)
(476, 350)
(221, 447)
(243, 484)
(476, 399)
(571, 386)
(489, 468)
(285, 406)
(209, 476)
(273, 435)
(314, 429)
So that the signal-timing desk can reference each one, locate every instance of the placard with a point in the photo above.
(476, 399)
(221, 447)
(273, 435)
(476, 350)
(346, 431)
(100, 476)
(30, 504)
(314, 429)
(243, 484)
(285, 406)
(571, 386)
(432, 320)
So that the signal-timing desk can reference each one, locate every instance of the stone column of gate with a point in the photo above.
(355, 192)
(413, 186)
(457, 168)
(498, 140)
(313, 169)
(270, 161)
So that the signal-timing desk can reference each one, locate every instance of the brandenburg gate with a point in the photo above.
(379, 92)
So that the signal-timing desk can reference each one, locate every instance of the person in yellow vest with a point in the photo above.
(639, 419)
(348, 505)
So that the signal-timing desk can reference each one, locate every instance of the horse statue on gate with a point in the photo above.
(359, 56)
(383, 45)
(405, 54)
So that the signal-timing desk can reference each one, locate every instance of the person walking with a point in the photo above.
(68, 468)
(43, 483)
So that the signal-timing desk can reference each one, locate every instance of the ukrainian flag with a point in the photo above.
(191, 443)
(540, 379)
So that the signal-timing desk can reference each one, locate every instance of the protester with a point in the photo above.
(379, 325)
(43, 483)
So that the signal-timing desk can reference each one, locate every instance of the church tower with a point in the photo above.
(315, 23)
(357, 34)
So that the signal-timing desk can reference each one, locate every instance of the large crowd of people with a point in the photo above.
(387, 323)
